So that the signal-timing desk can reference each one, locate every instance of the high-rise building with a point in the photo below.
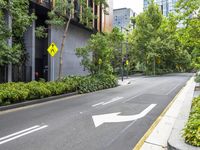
(122, 17)
(166, 6)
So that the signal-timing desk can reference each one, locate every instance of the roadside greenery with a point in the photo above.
(21, 19)
(102, 53)
(97, 82)
(18, 92)
(197, 79)
(189, 34)
(155, 44)
(192, 128)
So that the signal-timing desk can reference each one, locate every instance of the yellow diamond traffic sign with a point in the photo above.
(52, 49)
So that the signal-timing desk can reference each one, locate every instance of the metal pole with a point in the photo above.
(122, 66)
(126, 55)
(154, 66)
(53, 69)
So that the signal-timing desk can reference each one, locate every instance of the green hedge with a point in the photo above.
(192, 128)
(95, 83)
(197, 79)
(18, 92)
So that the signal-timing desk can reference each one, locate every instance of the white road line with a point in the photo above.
(129, 99)
(11, 135)
(97, 104)
(23, 134)
(173, 89)
(111, 101)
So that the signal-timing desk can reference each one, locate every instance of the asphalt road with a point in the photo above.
(73, 123)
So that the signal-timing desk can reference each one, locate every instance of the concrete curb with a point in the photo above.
(176, 141)
(36, 101)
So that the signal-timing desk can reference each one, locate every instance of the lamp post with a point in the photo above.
(122, 58)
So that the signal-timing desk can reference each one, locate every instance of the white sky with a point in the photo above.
(135, 5)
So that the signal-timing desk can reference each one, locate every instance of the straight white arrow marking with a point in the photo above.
(21, 133)
(114, 117)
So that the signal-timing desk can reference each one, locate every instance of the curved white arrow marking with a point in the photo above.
(114, 117)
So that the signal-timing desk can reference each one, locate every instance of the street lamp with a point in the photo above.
(122, 58)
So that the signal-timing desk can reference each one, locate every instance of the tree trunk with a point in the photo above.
(62, 47)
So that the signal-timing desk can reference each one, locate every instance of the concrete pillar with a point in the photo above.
(33, 51)
(8, 19)
(29, 40)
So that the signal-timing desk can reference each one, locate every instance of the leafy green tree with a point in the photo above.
(97, 55)
(116, 39)
(102, 53)
(145, 34)
(62, 14)
(156, 43)
(189, 33)
(21, 20)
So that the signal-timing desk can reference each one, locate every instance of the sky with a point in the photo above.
(135, 5)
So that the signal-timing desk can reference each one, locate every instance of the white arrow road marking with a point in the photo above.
(105, 103)
(21, 133)
(114, 117)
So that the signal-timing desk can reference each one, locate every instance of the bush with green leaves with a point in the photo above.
(18, 92)
(197, 79)
(13, 93)
(97, 82)
(37, 90)
(192, 128)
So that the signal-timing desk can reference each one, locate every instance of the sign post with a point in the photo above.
(53, 49)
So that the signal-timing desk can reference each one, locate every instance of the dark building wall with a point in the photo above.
(76, 37)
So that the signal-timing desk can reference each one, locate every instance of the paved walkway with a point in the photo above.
(157, 137)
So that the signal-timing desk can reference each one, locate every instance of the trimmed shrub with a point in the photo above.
(13, 93)
(18, 92)
(192, 128)
(37, 90)
(197, 79)
(98, 82)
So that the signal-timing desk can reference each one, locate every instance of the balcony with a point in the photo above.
(44, 3)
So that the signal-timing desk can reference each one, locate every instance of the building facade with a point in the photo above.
(40, 64)
(166, 6)
(122, 18)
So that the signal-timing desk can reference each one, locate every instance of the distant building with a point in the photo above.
(166, 6)
(122, 17)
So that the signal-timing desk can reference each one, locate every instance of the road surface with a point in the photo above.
(113, 119)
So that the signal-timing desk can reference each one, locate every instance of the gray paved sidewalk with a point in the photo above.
(158, 138)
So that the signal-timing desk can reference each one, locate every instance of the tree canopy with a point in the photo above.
(155, 42)
(21, 20)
